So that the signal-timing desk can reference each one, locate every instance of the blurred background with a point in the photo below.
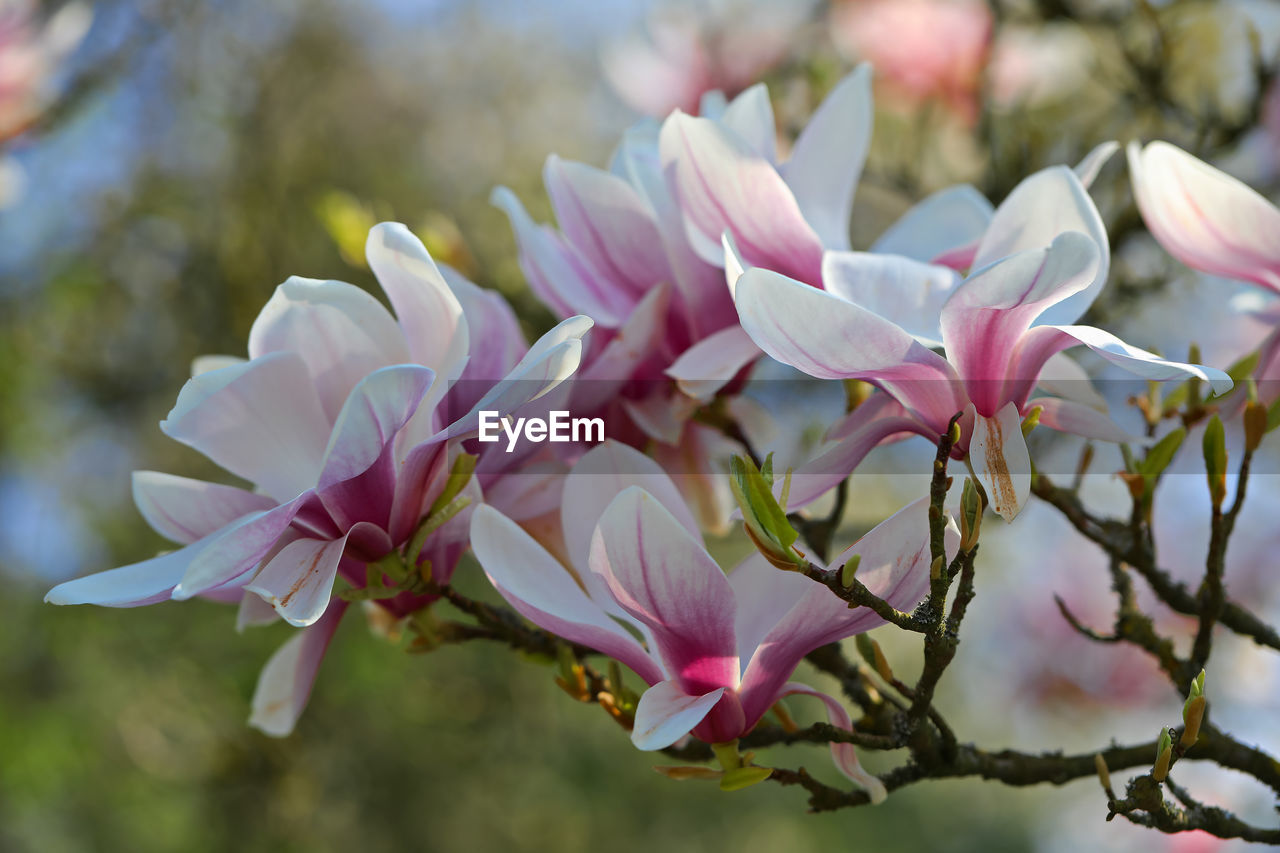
(166, 164)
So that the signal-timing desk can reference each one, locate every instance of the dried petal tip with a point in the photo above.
(681, 772)
(1104, 775)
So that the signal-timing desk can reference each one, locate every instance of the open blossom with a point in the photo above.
(341, 421)
(921, 49)
(716, 651)
(30, 54)
(689, 50)
(1038, 266)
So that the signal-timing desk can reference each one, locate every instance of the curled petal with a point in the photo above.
(846, 760)
(378, 407)
(429, 313)
(999, 456)
(666, 713)
(298, 581)
(1078, 419)
(1043, 207)
(286, 681)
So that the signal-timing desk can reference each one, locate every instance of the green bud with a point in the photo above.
(970, 516)
(744, 777)
(1197, 686)
(865, 646)
(1192, 717)
(727, 754)
(954, 434)
(849, 570)
(1031, 421)
(1163, 742)
(1215, 460)
(764, 518)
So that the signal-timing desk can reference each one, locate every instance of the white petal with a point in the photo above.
(285, 683)
(999, 456)
(184, 510)
(666, 713)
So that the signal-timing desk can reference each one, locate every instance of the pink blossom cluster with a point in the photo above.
(696, 255)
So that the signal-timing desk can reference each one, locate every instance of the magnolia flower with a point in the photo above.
(992, 327)
(686, 52)
(716, 651)
(1215, 224)
(339, 420)
(921, 49)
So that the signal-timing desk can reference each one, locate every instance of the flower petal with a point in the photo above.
(134, 585)
(1078, 419)
(846, 760)
(286, 681)
(260, 420)
(341, 333)
(604, 218)
(948, 220)
(1087, 169)
(986, 317)
(557, 272)
(893, 563)
(298, 581)
(660, 573)
(999, 456)
(1204, 217)
(666, 713)
(827, 337)
(828, 156)
(710, 364)
(723, 184)
(378, 407)
(237, 548)
(540, 588)
(750, 116)
(1043, 207)
(905, 292)
(184, 510)
(426, 308)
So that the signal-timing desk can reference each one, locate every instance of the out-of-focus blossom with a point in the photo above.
(691, 49)
(30, 55)
(716, 652)
(1031, 66)
(343, 421)
(1000, 327)
(921, 50)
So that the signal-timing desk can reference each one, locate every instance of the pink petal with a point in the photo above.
(1043, 342)
(708, 365)
(829, 338)
(986, 317)
(639, 340)
(237, 549)
(1087, 169)
(828, 156)
(603, 473)
(429, 313)
(376, 410)
(905, 292)
(499, 342)
(750, 116)
(948, 220)
(604, 218)
(540, 588)
(1078, 419)
(666, 713)
(660, 573)
(1043, 207)
(723, 184)
(846, 760)
(893, 563)
(1204, 217)
(184, 510)
(999, 456)
(558, 273)
(341, 333)
(260, 420)
(286, 681)
(298, 581)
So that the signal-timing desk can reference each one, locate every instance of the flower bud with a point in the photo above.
(1031, 421)
(764, 519)
(1192, 717)
(1215, 460)
(1164, 756)
(970, 516)
(849, 571)
(1255, 425)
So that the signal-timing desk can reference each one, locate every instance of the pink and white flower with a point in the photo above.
(340, 419)
(1038, 266)
(716, 651)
